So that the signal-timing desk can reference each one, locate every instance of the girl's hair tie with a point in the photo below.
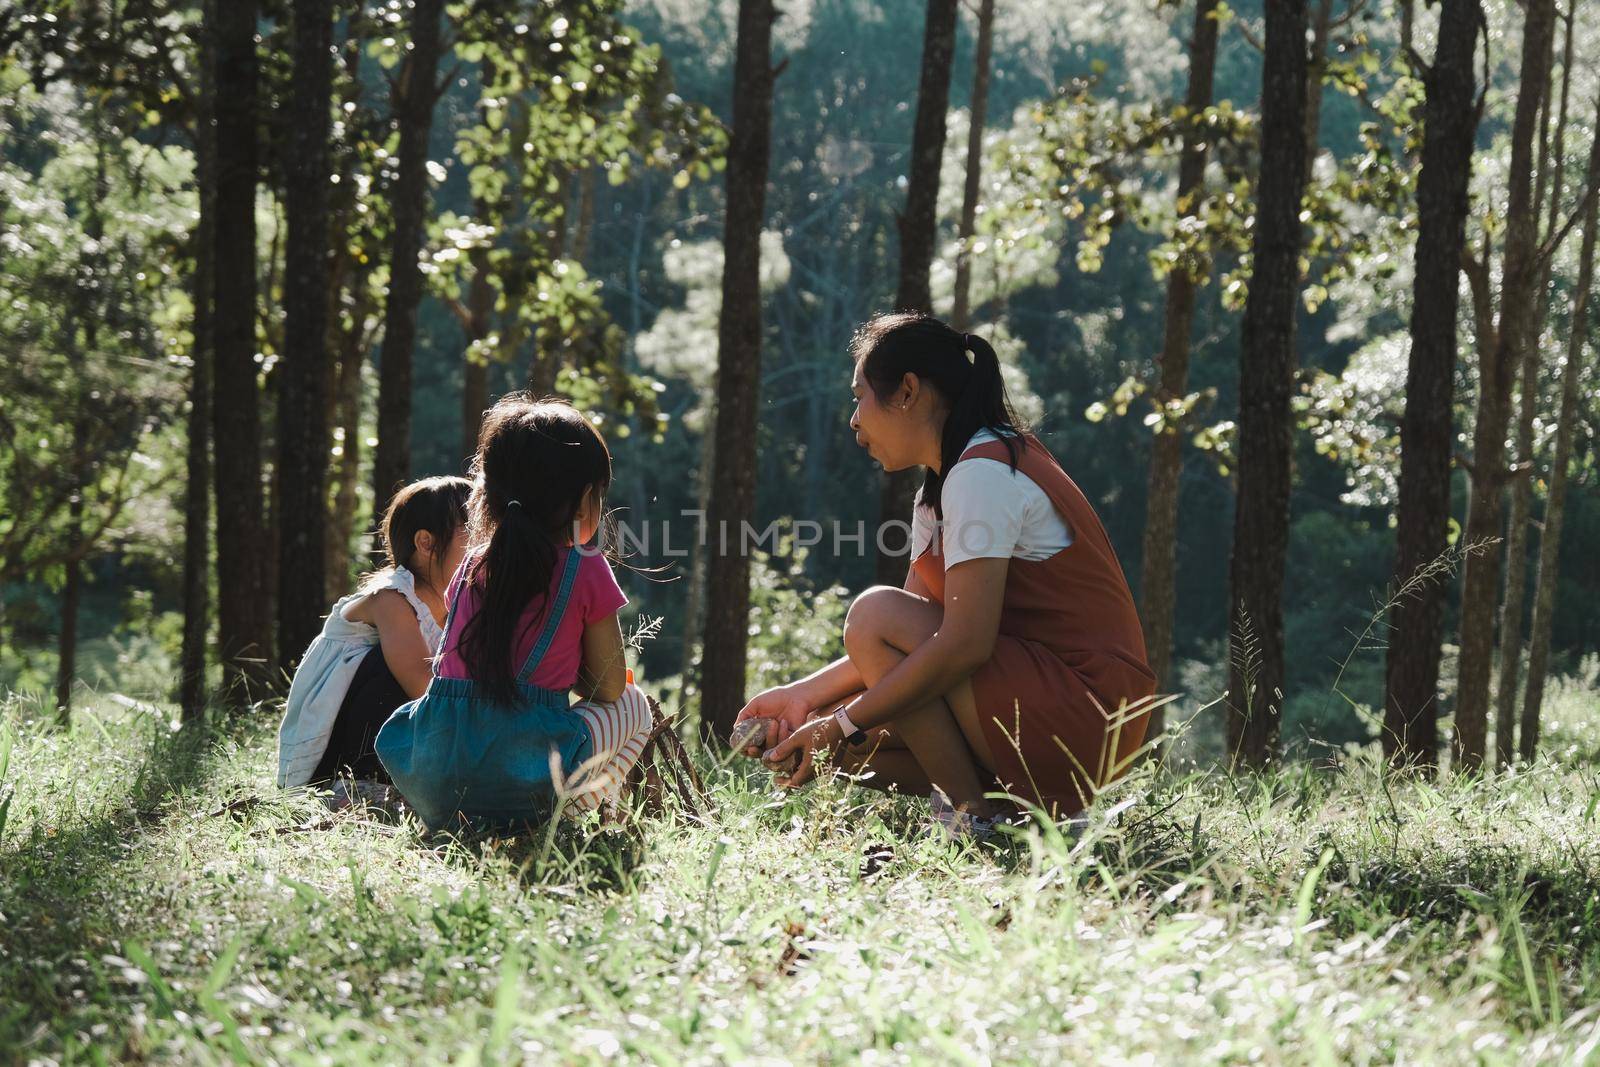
(513, 504)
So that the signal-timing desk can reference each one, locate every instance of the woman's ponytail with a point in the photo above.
(962, 367)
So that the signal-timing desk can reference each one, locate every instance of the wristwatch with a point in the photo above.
(854, 736)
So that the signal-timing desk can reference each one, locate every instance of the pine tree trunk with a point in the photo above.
(961, 313)
(1450, 125)
(197, 488)
(1159, 558)
(243, 624)
(919, 233)
(347, 498)
(302, 426)
(733, 467)
(92, 268)
(415, 96)
(1544, 600)
(475, 368)
(1266, 373)
(1512, 605)
(1518, 329)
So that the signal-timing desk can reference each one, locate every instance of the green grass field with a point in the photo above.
(160, 901)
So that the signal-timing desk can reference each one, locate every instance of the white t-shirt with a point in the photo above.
(990, 512)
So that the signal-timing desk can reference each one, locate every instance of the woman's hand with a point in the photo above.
(820, 732)
(785, 710)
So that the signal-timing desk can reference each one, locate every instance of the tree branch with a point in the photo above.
(1553, 242)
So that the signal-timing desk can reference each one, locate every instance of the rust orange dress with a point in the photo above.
(1069, 658)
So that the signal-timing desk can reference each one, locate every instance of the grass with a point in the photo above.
(159, 901)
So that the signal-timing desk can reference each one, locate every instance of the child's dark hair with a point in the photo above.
(536, 460)
(435, 505)
(889, 347)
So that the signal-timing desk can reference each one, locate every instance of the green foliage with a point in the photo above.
(93, 320)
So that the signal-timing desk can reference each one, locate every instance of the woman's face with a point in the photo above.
(886, 427)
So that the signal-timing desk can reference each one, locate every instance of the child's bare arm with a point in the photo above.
(400, 637)
(603, 673)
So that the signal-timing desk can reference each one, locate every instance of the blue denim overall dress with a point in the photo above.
(455, 749)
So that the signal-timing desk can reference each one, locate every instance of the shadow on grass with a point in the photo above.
(62, 906)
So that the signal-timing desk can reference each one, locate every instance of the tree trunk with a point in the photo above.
(1512, 605)
(694, 595)
(1544, 600)
(1518, 329)
(92, 269)
(415, 96)
(244, 627)
(1450, 125)
(302, 426)
(960, 315)
(71, 597)
(1266, 372)
(475, 368)
(919, 233)
(197, 487)
(346, 500)
(733, 470)
(1316, 71)
(1159, 558)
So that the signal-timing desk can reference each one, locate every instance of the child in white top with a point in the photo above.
(377, 647)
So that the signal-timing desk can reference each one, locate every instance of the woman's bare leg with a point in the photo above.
(943, 736)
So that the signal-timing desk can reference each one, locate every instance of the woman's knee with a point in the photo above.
(869, 615)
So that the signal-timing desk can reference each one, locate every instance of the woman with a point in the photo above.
(1012, 660)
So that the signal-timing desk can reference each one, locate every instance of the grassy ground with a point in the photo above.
(1317, 916)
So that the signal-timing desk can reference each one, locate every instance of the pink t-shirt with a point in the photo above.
(595, 595)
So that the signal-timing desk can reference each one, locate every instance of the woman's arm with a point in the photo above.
(400, 637)
(603, 673)
(974, 591)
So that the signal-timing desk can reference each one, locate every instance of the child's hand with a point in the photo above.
(784, 710)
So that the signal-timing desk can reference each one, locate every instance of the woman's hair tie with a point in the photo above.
(513, 504)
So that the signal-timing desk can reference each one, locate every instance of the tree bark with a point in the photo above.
(733, 477)
(346, 499)
(1518, 329)
(197, 489)
(1450, 125)
(960, 315)
(415, 95)
(919, 232)
(475, 368)
(1266, 371)
(1159, 557)
(1544, 600)
(92, 266)
(243, 623)
(1514, 601)
(302, 426)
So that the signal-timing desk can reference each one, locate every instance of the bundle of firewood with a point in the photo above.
(664, 770)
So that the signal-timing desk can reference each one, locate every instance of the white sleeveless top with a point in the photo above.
(325, 672)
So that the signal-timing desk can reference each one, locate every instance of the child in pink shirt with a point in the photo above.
(532, 619)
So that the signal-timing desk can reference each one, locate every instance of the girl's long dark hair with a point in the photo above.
(889, 347)
(536, 459)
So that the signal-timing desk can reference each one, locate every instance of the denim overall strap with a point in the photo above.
(558, 608)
